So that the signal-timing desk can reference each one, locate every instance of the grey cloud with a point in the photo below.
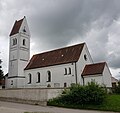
(114, 60)
(66, 21)
(57, 23)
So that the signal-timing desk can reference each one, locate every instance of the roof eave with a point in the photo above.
(92, 74)
(49, 65)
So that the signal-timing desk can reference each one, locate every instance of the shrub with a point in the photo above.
(117, 88)
(95, 94)
(82, 95)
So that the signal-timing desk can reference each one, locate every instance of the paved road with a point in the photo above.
(8, 107)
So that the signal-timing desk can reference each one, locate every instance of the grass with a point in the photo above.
(112, 103)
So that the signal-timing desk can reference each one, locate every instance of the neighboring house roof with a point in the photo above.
(16, 27)
(2, 82)
(93, 69)
(56, 57)
(114, 80)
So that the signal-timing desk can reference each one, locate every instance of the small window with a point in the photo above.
(56, 85)
(69, 70)
(11, 82)
(30, 79)
(48, 76)
(14, 41)
(24, 42)
(65, 84)
(38, 77)
(93, 80)
(85, 57)
(65, 73)
(24, 30)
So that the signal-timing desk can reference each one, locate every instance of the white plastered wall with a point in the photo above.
(57, 76)
(98, 78)
(82, 62)
(107, 77)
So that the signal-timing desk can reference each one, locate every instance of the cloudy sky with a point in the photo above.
(59, 23)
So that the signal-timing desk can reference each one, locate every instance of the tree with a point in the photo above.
(1, 71)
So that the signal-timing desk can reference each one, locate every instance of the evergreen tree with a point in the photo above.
(1, 71)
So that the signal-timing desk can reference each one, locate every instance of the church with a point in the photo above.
(56, 68)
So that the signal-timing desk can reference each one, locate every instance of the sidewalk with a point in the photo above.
(8, 107)
(10, 110)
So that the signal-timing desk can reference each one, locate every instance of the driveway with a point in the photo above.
(8, 107)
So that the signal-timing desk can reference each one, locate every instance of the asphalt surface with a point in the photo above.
(8, 107)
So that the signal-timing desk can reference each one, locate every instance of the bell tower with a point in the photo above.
(19, 53)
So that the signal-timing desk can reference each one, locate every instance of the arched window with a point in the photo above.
(65, 73)
(38, 77)
(24, 42)
(15, 41)
(65, 84)
(30, 78)
(48, 76)
(69, 70)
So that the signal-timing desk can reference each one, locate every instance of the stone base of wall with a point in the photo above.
(16, 100)
(29, 95)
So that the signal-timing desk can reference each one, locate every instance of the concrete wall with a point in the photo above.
(30, 96)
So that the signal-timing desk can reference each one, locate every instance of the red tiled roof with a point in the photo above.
(16, 27)
(93, 69)
(56, 57)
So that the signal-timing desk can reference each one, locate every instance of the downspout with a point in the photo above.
(83, 81)
(76, 73)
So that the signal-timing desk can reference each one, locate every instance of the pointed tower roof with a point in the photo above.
(16, 27)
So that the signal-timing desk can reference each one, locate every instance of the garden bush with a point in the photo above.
(82, 95)
(117, 89)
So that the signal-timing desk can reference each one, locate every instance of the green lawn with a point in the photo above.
(112, 103)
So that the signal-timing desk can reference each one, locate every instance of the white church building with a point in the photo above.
(56, 68)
